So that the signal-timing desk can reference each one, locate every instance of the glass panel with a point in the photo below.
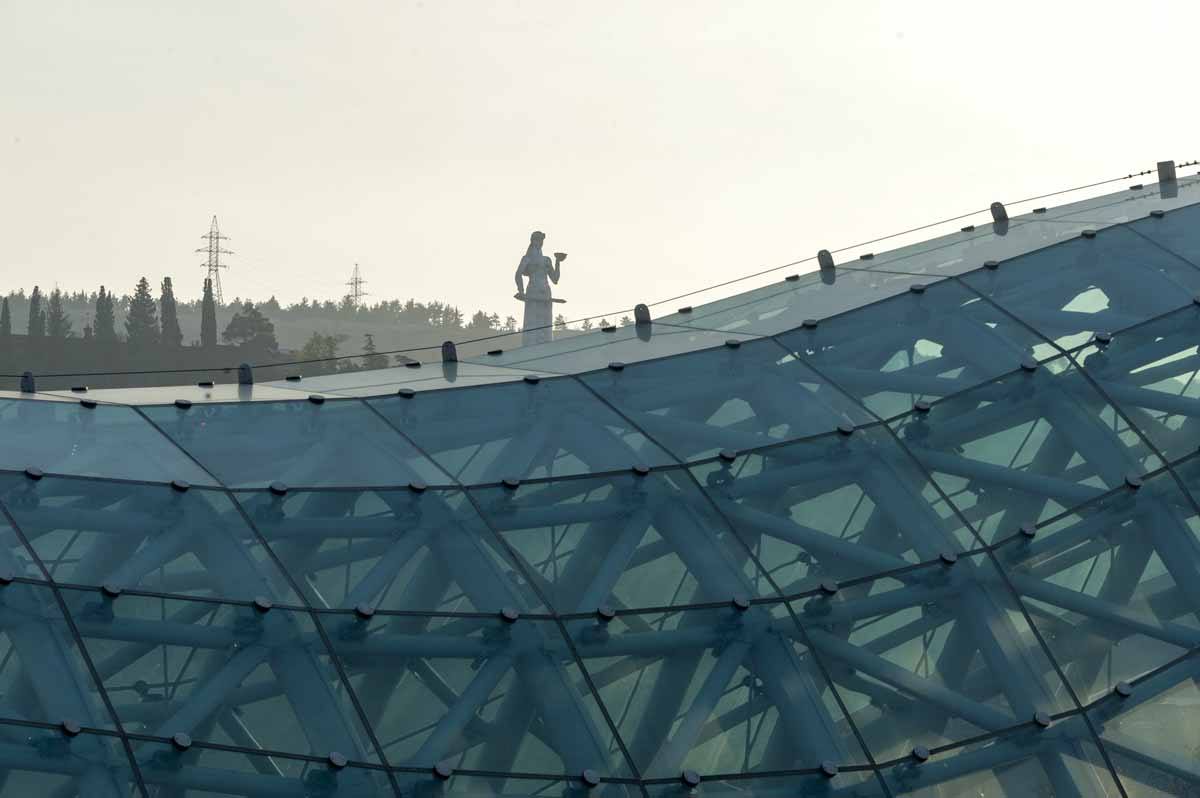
(1106, 283)
(845, 784)
(299, 443)
(835, 507)
(165, 395)
(917, 347)
(1058, 761)
(786, 304)
(715, 691)
(394, 550)
(477, 693)
(933, 656)
(1151, 733)
(521, 431)
(146, 536)
(1114, 586)
(623, 541)
(595, 350)
(727, 398)
(46, 762)
(418, 377)
(201, 772)
(1025, 447)
(1177, 230)
(43, 677)
(104, 441)
(222, 673)
(1126, 205)
(1150, 372)
(15, 559)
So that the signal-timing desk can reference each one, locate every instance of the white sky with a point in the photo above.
(663, 145)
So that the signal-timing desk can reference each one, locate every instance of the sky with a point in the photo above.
(665, 146)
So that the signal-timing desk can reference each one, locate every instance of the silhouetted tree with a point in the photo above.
(5, 320)
(171, 335)
(106, 321)
(250, 329)
(58, 324)
(626, 321)
(37, 317)
(371, 358)
(208, 317)
(141, 323)
(560, 322)
(587, 325)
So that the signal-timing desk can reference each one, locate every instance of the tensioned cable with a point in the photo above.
(499, 335)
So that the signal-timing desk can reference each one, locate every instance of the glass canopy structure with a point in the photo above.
(920, 524)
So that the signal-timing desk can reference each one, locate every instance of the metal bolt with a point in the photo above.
(181, 741)
(417, 486)
(34, 473)
(1029, 529)
(917, 288)
(809, 324)
(111, 590)
(921, 406)
(364, 611)
(686, 309)
(920, 753)
(278, 488)
(532, 379)
(407, 393)
(605, 613)
(509, 615)
(337, 760)
(829, 769)
(511, 483)
(1123, 689)
(71, 728)
(1042, 719)
(948, 557)
(316, 399)
(1088, 233)
(1157, 214)
(616, 365)
(183, 404)
(991, 265)
(443, 770)
(733, 343)
(1133, 481)
(641, 469)
(740, 603)
(845, 428)
(263, 604)
(590, 778)
(180, 485)
(728, 455)
(690, 778)
(829, 587)
(1029, 364)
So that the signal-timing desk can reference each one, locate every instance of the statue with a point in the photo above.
(539, 304)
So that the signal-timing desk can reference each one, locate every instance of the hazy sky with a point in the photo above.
(663, 145)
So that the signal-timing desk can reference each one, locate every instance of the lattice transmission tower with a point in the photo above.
(356, 284)
(214, 251)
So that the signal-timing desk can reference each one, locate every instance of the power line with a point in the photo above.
(214, 251)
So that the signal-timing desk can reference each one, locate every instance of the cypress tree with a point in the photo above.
(106, 320)
(58, 324)
(5, 320)
(208, 318)
(141, 325)
(171, 334)
(37, 318)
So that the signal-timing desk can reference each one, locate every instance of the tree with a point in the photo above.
(510, 324)
(5, 320)
(587, 325)
(371, 358)
(105, 325)
(605, 323)
(171, 334)
(321, 348)
(208, 318)
(626, 321)
(141, 324)
(560, 322)
(37, 317)
(251, 330)
(58, 323)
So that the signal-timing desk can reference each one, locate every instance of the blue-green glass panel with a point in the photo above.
(547, 428)
(738, 398)
(917, 346)
(108, 441)
(1079, 287)
(785, 304)
(932, 656)
(1150, 372)
(1177, 230)
(46, 762)
(624, 541)
(204, 772)
(1114, 585)
(1025, 447)
(834, 507)
(401, 550)
(155, 537)
(846, 783)
(220, 673)
(1060, 760)
(719, 691)
(43, 676)
(299, 443)
(478, 693)
(1149, 731)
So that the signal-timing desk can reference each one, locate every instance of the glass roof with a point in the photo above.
(921, 527)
